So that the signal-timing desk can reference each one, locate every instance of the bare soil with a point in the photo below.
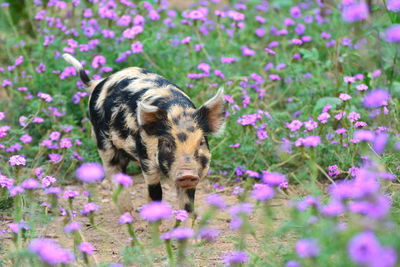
(108, 244)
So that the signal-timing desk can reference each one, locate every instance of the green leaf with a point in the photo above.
(333, 101)
(311, 55)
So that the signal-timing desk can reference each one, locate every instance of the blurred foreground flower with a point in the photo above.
(50, 252)
(90, 172)
(234, 258)
(156, 211)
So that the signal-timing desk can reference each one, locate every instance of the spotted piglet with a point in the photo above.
(139, 115)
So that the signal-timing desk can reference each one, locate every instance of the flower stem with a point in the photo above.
(135, 240)
(169, 252)
(116, 194)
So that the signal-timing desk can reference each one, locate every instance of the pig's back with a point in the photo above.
(114, 100)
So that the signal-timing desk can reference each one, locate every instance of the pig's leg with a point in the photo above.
(152, 178)
(186, 199)
(186, 202)
(113, 163)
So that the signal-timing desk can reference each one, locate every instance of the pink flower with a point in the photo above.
(362, 87)
(270, 51)
(311, 124)
(247, 51)
(294, 125)
(123, 179)
(17, 160)
(98, 61)
(186, 40)
(54, 157)
(26, 139)
(90, 172)
(137, 47)
(344, 97)
(349, 79)
(323, 117)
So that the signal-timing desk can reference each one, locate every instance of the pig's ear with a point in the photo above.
(211, 116)
(146, 114)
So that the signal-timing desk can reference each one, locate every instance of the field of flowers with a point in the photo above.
(305, 174)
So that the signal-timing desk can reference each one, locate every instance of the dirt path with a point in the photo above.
(109, 246)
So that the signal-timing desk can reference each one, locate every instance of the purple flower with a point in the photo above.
(247, 51)
(393, 5)
(26, 139)
(307, 202)
(295, 12)
(380, 142)
(181, 215)
(311, 141)
(50, 252)
(196, 14)
(73, 226)
(156, 211)
(16, 190)
(393, 34)
(363, 248)
(71, 193)
(376, 208)
(307, 248)
(354, 12)
(293, 264)
(14, 227)
(273, 178)
(208, 233)
(125, 218)
(54, 157)
(216, 200)
(123, 179)
(362, 87)
(262, 192)
(294, 125)
(86, 247)
(376, 98)
(364, 135)
(243, 207)
(182, 233)
(323, 117)
(45, 97)
(228, 59)
(137, 47)
(6, 182)
(349, 79)
(89, 208)
(65, 142)
(98, 61)
(166, 236)
(54, 190)
(310, 124)
(90, 172)
(234, 258)
(334, 208)
(30, 184)
(344, 97)
(17, 160)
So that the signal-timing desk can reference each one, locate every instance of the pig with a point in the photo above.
(137, 115)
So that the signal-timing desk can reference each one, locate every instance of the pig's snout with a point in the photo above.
(187, 179)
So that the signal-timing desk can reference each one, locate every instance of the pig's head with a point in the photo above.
(176, 139)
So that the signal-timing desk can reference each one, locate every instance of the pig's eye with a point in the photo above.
(167, 147)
